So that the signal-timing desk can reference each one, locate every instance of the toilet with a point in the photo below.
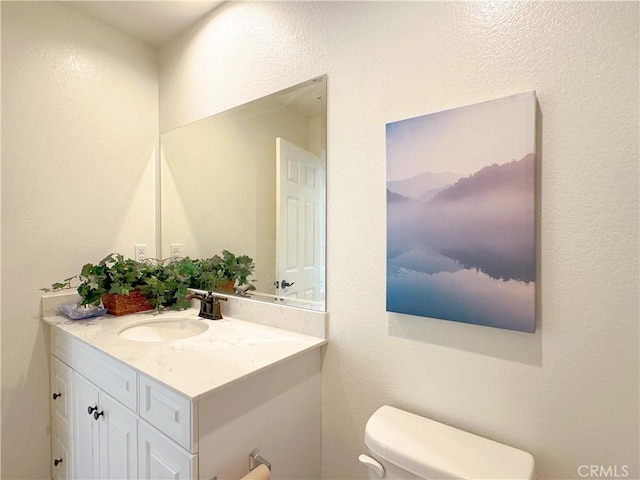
(405, 446)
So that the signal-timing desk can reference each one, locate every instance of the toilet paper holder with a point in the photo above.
(255, 460)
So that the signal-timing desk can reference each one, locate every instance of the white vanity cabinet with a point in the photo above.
(188, 409)
(96, 430)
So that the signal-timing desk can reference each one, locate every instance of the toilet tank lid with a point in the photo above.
(431, 450)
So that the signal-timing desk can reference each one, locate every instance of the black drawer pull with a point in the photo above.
(57, 462)
(56, 395)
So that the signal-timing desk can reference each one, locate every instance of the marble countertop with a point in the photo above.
(228, 351)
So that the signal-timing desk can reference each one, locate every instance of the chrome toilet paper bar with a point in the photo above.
(255, 460)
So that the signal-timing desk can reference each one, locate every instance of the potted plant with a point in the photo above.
(114, 281)
(222, 273)
(126, 286)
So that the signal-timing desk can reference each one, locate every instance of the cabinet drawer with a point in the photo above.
(107, 373)
(61, 345)
(167, 411)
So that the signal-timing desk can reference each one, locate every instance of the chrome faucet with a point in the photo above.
(209, 305)
(243, 289)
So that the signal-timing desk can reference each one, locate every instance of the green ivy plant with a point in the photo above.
(113, 274)
(163, 282)
(215, 271)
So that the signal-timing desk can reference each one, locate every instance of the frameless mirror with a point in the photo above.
(251, 180)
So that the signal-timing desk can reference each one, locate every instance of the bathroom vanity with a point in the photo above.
(126, 407)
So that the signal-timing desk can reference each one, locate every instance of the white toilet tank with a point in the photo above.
(403, 445)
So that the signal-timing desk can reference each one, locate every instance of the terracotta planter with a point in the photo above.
(226, 286)
(125, 304)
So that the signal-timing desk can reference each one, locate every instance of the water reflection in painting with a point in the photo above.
(461, 214)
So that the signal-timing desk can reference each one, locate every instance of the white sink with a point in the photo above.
(163, 330)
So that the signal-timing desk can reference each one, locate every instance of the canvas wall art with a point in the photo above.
(461, 214)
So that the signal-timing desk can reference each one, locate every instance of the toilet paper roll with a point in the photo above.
(261, 472)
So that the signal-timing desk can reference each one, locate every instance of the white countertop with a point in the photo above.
(228, 351)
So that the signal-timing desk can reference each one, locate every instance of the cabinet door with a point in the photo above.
(86, 429)
(118, 440)
(162, 459)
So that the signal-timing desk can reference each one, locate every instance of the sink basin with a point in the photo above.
(163, 330)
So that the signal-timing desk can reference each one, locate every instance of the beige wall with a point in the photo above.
(569, 393)
(79, 102)
(79, 118)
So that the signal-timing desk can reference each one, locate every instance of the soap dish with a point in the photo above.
(75, 311)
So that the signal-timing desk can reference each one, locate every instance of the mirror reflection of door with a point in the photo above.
(299, 237)
(218, 183)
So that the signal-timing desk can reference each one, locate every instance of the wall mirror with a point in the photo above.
(251, 180)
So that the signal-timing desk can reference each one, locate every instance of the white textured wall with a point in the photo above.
(79, 119)
(569, 393)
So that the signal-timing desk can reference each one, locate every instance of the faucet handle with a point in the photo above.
(197, 296)
(217, 298)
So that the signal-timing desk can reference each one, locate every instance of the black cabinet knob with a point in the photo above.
(57, 462)
(91, 409)
(96, 414)
(56, 395)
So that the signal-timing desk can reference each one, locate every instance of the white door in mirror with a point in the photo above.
(300, 197)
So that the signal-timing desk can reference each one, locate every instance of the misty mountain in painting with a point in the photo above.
(424, 185)
(468, 252)
(486, 221)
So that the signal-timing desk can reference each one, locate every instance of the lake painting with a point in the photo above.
(461, 214)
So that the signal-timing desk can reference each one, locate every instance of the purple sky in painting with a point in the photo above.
(461, 140)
